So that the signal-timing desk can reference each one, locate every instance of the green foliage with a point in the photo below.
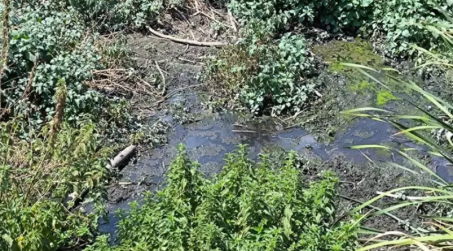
(111, 15)
(117, 14)
(333, 14)
(47, 46)
(37, 178)
(401, 21)
(418, 127)
(393, 20)
(271, 75)
(247, 207)
(432, 128)
(50, 42)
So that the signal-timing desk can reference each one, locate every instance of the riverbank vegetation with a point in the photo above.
(248, 206)
(430, 126)
(69, 91)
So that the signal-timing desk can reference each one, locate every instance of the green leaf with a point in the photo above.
(8, 240)
(406, 33)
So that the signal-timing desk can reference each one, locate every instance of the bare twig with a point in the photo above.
(213, 19)
(232, 21)
(108, 70)
(318, 94)
(29, 87)
(243, 131)
(185, 41)
(187, 60)
(164, 88)
(149, 85)
(184, 17)
(411, 198)
(57, 119)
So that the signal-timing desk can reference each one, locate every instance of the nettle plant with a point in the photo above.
(248, 206)
(280, 80)
(333, 14)
(47, 47)
(37, 177)
(118, 14)
(401, 23)
(112, 15)
(272, 75)
(392, 20)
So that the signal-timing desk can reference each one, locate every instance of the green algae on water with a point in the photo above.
(362, 87)
(359, 52)
(384, 96)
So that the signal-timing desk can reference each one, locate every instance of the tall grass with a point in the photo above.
(432, 114)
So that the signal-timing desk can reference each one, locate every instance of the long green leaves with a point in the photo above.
(417, 127)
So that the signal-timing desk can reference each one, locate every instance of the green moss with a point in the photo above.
(362, 87)
(384, 96)
(358, 51)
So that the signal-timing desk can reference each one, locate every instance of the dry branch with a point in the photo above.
(5, 46)
(232, 21)
(164, 85)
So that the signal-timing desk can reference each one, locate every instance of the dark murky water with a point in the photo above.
(209, 140)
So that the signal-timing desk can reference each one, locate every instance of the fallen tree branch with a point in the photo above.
(185, 41)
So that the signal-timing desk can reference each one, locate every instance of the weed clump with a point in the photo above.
(42, 183)
(247, 207)
(398, 23)
(266, 76)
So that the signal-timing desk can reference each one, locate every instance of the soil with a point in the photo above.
(320, 135)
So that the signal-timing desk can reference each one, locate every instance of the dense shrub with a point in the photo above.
(36, 180)
(271, 72)
(47, 46)
(109, 15)
(247, 207)
(267, 75)
(391, 19)
(333, 14)
(399, 21)
(117, 14)
(59, 41)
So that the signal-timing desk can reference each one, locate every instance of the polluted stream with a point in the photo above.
(214, 135)
(209, 140)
